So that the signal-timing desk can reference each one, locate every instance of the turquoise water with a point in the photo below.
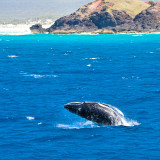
(41, 73)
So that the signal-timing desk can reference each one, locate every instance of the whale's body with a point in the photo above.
(97, 112)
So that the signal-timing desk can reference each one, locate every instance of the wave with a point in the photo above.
(94, 58)
(19, 29)
(89, 65)
(89, 124)
(38, 75)
(137, 35)
(78, 125)
(30, 118)
(128, 122)
(12, 56)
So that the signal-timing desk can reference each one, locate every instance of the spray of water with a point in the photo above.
(89, 124)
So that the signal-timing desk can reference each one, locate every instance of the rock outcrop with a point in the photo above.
(107, 16)
(73, 22)
(149, 19)
(37, 28)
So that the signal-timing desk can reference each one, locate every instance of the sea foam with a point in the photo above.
(78, 125)
(39, 76)
(30, 118)
(12, 56)
(89, 124)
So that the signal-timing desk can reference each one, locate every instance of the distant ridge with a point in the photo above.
(108, 16)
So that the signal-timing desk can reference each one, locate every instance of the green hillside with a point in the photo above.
(132, 7)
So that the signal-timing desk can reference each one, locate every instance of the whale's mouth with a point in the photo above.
(73, 106)
(74, 103)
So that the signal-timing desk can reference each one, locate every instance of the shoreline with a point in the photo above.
(24, 29)
(85, 33)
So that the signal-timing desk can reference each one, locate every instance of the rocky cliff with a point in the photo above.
(101, 14)
(149, 19)
(109, 16)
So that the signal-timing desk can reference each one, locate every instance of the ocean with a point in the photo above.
(39, 74)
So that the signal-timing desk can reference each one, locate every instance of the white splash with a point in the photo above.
(89, 124)
(12, 56)
(89, 65)
(78, 125)
(30, 118)
(137, 35)
(128, 123)
(39, 76)
(94, 58)
(22, 29)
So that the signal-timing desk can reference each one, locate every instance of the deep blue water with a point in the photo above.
(41, 73)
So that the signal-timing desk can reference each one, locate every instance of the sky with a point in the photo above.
(36, 8)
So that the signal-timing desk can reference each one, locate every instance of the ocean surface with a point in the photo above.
(41, 73)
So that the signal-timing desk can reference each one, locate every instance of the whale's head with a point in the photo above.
(83, 109)
(74, 107)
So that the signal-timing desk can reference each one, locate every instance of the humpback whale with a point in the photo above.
(101, 113)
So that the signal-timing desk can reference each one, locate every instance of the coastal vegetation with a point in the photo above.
(151, 2)
(131, 7)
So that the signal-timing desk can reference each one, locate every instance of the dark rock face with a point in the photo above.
(149, 19)
(73, 22)
(124, 22)
(121, 17)
(118, 20)
(37, 28)
(93, 22)
(103, 20)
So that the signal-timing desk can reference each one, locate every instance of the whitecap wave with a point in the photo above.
(78, 125)
(19, 29)
(30, 118)
(94, 58)
(127, 122)
(12, 56)
(137, 35)
(39, 76)
(23, 28)
(89, 124)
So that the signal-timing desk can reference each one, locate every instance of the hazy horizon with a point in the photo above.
(28, 8)
(22, 9)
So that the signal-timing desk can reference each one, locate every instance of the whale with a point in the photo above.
(100, 113)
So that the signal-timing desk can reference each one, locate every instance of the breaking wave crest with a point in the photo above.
(127, 122)
(78, 125)
(39, 76)
(89, 124)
